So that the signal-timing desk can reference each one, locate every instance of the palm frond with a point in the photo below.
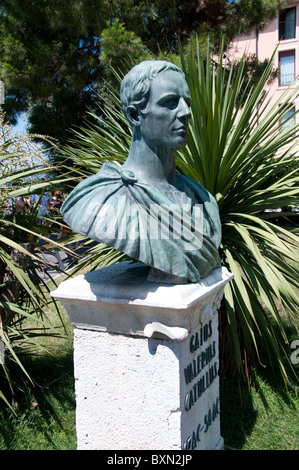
(23, 233)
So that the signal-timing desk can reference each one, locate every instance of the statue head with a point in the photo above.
(154, 94)
(135, 86)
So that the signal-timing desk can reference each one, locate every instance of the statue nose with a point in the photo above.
(184, 110)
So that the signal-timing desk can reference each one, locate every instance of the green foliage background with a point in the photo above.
(55, 55)
(24, 237)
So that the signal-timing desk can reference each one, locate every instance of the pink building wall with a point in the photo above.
(263, 45)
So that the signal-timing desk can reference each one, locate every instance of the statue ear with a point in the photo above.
(133, 115)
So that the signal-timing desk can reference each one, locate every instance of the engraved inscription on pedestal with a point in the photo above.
(200, 405)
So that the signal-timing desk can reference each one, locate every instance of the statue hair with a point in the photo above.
(135, 86)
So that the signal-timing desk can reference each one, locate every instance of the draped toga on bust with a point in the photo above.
(176, 231)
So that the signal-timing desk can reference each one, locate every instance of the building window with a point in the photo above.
(288, 119)
(286, 67)
(287, 23)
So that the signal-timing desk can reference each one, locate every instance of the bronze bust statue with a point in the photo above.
(144, 208)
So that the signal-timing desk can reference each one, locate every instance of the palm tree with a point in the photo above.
(237, 150)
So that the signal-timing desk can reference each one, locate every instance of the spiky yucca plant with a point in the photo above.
(237, 150)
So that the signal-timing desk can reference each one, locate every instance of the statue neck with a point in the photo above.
(151, 165)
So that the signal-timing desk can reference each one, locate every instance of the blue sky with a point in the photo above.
(20, 124)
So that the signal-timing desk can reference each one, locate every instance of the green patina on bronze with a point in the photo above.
(144, 208)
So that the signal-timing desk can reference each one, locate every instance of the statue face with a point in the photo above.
(164, 121)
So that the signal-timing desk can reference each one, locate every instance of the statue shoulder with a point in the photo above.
(109, 172)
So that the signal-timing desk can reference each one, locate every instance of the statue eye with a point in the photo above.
(170, 103)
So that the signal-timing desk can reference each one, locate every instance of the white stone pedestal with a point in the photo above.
(145, 360)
